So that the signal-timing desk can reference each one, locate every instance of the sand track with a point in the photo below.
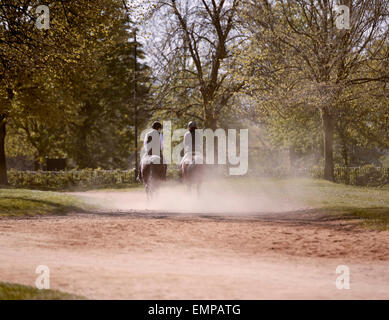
(167, 254)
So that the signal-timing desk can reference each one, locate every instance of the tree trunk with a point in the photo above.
(3, 165)
(292, 157)
(210, 123)
(345, 157)
(344, 154)
(82, 150)
(343, 140)
(328, 132)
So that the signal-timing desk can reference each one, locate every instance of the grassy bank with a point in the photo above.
(11, 291)
(22, 202)
(371, 205)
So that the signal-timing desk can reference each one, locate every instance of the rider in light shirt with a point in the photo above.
(153, 142)
(191, 148)
(152, 146)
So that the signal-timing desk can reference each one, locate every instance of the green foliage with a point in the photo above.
(173, 173)
(12, 291)
(21, 202)
(78, 179)
(293, 75)
(62, 180)
(68, 91)
(368, 175)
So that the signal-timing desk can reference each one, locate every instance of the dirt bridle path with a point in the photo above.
(125, 253)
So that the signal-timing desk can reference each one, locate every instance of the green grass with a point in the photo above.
(127, 188)
(11, 291)
(21, 202)
(370, 205)
(112, 187)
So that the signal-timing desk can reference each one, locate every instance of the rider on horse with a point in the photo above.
(192, 150)
(152, 148)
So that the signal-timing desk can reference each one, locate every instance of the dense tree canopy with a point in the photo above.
(68, 89)
(304, 83)
(297, 59)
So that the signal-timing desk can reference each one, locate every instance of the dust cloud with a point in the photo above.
(215, 197)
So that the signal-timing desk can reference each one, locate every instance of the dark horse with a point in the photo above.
(152, 173)
(192, 172)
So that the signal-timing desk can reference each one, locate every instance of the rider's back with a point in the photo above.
(192, 142)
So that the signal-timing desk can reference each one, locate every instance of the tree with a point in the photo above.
(296, 56)
(100, 135)
(192, 57)
(76, 30)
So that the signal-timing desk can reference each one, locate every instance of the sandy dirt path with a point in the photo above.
(126, 253)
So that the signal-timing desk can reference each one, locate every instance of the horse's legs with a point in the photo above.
(148, 190)
(146, 174)
(183, 172)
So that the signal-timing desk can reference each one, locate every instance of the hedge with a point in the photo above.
(62, 180)
(367, 175)
(69, 179)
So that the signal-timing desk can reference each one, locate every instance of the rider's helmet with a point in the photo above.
(192, 125)
(156, 125)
